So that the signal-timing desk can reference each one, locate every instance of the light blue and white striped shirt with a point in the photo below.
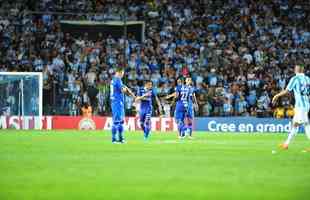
(300, 84)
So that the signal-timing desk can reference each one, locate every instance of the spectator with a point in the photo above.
(279, 112)
(227, 107)
(86, 110)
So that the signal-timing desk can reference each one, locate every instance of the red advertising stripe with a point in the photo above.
(78, 122)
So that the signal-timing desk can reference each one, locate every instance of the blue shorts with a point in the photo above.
(118, 112)
(190, 112)
(180, 111)
(145, 114)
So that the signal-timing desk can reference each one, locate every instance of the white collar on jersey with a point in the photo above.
(300, 74)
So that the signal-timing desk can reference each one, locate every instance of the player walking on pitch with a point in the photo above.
(299, 84)
(145, 96)
(192, 105)
(117, 90)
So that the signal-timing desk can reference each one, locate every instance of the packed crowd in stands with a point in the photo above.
(239, 53)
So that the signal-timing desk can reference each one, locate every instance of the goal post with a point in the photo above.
(21, 93)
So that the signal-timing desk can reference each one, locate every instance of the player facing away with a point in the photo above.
(299, 85)
(192, 105)
(117, 90)
(179, 113)
(145, 96)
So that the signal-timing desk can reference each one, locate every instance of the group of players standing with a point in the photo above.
(184, 96)
(186, 103)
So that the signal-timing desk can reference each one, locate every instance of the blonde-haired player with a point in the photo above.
(299, 84)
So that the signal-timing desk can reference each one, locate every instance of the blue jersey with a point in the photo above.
(184, 106)
(117, 100)
(116, 93)
(183, 95)
(300, 84)
(191, 91)
(146, 102)
(178, 91)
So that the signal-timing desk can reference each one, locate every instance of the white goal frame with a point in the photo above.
(40, 78)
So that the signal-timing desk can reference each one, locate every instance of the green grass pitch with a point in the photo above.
(53, 165)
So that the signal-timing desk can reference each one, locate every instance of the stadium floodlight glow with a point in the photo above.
(21, 93)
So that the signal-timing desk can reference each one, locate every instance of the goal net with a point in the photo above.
(21, 93)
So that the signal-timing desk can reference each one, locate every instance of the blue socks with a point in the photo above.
(117, 128)
(146, 129)
(181, 128)
(190, 128)
(120, 132)
(114, 132)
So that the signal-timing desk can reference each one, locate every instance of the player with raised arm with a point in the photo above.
(192, 105)
(145, 96)
(117, 90)
(299, 84)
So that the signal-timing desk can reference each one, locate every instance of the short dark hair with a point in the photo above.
(85, 105)
(180, 78)
(147, 81)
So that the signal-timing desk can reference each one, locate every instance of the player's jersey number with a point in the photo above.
(184, 96)
(304, 90)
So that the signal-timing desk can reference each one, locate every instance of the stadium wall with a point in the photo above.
(207, 124)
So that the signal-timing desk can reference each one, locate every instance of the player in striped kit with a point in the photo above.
(299, 85)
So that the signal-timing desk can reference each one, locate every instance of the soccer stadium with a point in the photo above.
(154, 99)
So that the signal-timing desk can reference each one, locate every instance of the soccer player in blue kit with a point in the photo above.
(191, 106)
(185, 104)
(179, 108)
(117, 90)
(145, 96)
